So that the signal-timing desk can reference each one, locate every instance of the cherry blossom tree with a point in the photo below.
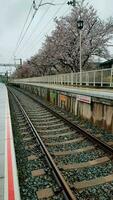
(60, 52)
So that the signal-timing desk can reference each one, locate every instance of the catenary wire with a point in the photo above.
(45, 27)
(24, 26)
(36, 10)
(21, 33)
(35, 29)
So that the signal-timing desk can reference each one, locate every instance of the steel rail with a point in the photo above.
(82, 131)
(64, 186)
(70, 123)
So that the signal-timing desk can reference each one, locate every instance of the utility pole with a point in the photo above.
(14, 61)
(20, 60)
(6, 77)
(80, 27)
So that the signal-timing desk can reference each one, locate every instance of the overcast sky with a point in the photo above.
(13, 14)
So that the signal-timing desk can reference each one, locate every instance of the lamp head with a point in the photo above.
(80, 24)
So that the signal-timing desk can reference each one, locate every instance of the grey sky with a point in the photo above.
(12, 17)
(103, 7)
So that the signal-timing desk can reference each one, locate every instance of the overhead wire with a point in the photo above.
(21, 33)
(35, 11)
(51, 19)
(35, 28)
(24, 26)
(39, 21)
(44, 36)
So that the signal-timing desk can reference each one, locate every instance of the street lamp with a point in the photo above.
(80, 24)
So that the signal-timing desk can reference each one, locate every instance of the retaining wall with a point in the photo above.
(97, 110)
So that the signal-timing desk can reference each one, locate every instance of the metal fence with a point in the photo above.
(101, 78)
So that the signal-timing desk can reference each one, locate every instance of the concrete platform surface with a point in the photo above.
(93, 92)
(9, 188)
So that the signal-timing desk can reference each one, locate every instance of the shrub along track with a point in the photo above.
(84, 161)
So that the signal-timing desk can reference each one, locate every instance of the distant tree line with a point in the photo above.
(60, 52)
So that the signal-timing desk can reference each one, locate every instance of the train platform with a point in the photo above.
(93, 92)
(9, 188)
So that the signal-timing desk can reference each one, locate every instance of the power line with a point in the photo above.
(58, 42)
(35, 28)
(35, 11)
(64, 3)
(48, 27)
(22, 30)
(24, 26)
(51, 19)
(48, 3)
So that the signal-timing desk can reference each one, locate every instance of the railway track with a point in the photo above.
(53, 185)
(83, 161)
(84, 125)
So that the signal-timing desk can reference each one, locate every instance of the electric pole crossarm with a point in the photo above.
(7, 65)
(73, 3)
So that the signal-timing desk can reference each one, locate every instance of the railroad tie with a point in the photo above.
(57, 135)
(24, 133)
(63, 153)
(110, 143)
(66, 142)
(85, 164)
(56, 130)
(23, 129)
(32, 157)
(94, 182)
(39, 172)
(31, 146)
(47, 125)
(27, 139)
(45, 193)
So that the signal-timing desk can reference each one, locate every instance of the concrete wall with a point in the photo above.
(98, 111)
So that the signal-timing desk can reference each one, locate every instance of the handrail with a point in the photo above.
(98, 77)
